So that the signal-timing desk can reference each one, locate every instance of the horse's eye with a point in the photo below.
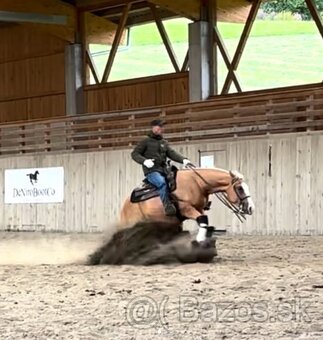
(240, 190)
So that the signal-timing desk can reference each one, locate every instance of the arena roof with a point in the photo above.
(228, 10)
(62, 18)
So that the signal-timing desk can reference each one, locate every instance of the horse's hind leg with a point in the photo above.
(130, 214)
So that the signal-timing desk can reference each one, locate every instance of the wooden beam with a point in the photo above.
(95, 5)
(226, 58)
(53, 7)
(116, 42)
(185, 63)
(98, 30)
(113, 11)
(36, 18)
(59, 31)
(228, 11)
(316, 15)
(189, 9)
(92, 66)
(80, 38)
(241, 45)
(46, 8)
(211, 18)
(165, 38)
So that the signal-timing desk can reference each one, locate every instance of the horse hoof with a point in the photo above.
(209, 243)
(206, 244)
(195, 244)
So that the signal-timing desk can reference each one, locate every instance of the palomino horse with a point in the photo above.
(193, 188)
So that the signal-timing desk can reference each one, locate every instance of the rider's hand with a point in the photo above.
(149, 163)
(188, 163)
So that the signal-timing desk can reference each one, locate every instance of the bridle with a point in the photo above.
(223, 198)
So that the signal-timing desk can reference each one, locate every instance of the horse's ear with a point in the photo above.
(236, 175)
(233, 174)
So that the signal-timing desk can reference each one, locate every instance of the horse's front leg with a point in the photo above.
(205, 231)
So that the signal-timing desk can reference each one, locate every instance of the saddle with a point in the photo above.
(148, 190)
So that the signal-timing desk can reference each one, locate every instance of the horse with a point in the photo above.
(191, 197)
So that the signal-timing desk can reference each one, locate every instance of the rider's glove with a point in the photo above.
(149, 163)
(188, 163)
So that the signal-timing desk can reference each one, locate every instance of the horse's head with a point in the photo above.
(239, 195)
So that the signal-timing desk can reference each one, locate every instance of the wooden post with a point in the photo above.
(242, 43)
(315, 14)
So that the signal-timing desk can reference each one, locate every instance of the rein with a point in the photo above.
(237, 211)
(222, 197)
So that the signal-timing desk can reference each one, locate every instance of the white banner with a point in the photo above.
(36, 185)
(207, 161)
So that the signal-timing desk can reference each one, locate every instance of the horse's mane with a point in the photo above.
(234, 173)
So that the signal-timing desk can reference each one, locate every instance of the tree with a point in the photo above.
(293, 6)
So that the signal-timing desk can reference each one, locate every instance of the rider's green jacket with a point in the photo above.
(155, 147)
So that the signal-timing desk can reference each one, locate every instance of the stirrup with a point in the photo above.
(170, 209)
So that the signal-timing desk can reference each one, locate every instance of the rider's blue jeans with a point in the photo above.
(159, 181)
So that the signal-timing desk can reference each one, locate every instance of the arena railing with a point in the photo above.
(261, 113)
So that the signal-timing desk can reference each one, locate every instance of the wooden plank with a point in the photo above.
(115, 140)
(316, 198)
(113, 125)
(188, 122)
(138, 94)
(303, 184)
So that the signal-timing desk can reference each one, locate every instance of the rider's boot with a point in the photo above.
(170, 209)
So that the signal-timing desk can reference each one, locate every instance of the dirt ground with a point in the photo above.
(257, 288)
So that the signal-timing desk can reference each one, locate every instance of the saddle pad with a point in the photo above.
(143, 193)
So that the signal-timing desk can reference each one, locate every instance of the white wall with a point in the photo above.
(288, 202)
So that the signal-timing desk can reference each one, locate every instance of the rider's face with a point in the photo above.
(157, 130)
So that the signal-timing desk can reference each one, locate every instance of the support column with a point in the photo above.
(212, 20)
(73, 80)
(199, 61)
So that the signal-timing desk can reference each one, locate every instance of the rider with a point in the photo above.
(152, 152)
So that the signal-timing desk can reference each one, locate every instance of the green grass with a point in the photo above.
(278, 53)
(177, 30)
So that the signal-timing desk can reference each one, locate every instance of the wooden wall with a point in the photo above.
(137, 93)
(288, 201)
(32, 80)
